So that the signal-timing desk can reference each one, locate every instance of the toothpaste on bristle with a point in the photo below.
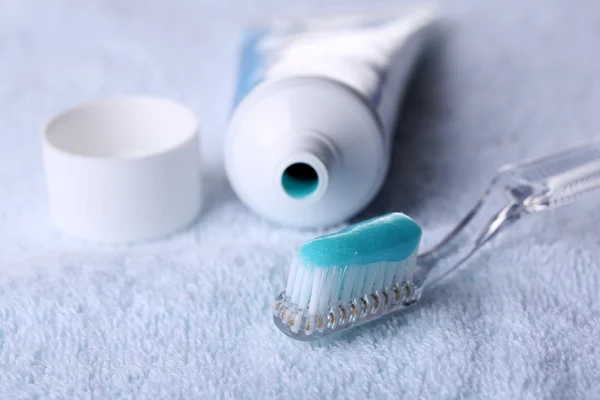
(363, 259)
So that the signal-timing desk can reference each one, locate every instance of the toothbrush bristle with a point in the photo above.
(350, 277)
(321, 297)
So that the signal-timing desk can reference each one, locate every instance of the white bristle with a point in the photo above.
(295, 295)
(390, 271)
(306, 288)
(381, 268)
(400, 268)
(292, 276)
(336, 283)
(359, 282)
(369, 279)
(328, 286)
(317, 289)
(409, 265)
(347, 282)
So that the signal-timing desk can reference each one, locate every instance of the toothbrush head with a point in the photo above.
(350, 277)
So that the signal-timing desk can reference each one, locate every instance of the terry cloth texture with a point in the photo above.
(190, 316)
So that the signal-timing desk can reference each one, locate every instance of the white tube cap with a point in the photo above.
(123, 169)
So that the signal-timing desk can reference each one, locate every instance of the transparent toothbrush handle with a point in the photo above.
(518, 189)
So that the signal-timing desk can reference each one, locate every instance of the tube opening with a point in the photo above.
(300, 180)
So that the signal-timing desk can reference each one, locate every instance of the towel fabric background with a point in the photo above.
(190, 316)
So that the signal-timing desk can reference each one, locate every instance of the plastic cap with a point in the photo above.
(123, 169)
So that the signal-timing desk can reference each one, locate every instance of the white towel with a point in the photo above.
(190, 316)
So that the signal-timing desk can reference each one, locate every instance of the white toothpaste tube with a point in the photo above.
(309, 141)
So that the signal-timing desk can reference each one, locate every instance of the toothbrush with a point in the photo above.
(373, 268)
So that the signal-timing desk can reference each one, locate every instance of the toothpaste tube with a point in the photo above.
(308, 144)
